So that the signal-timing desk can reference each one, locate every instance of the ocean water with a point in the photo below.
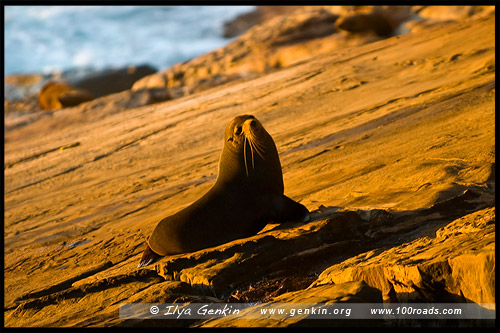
(47, 39)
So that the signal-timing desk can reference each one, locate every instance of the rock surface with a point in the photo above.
(392, 151)
(280, 41)
(275, 37)
(245, 21)
(20, 90)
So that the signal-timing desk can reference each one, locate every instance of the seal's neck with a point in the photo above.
(264, 174)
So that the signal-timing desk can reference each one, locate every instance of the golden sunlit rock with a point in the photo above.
(389, 144)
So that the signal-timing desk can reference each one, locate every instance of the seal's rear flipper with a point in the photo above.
(289, 210)
(148, 257)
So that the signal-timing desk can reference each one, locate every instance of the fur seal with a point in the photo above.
(247, 194)
(56, 95)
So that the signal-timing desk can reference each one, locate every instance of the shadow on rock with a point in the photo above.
(291, 255)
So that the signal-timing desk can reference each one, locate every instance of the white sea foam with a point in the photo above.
(48, 38)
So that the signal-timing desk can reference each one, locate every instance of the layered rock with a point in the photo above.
(275, 37)
(447, 267)
(392, 151)
(83, 85)
(261, 14)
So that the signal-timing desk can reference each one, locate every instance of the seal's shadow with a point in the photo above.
(370, 224)
(334, 234)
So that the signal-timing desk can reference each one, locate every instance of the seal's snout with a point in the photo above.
(250, 124)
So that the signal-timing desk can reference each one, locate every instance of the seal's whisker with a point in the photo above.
(259, 150)
(256, 139)
(252, 149)
(245, 153)
(257, 147)
(260, 144)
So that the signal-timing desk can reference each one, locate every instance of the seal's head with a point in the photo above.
(246, 136)
(249, 153)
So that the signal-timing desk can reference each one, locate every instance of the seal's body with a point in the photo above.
(247, 195)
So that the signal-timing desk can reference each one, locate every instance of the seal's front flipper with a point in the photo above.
(148, 257)
(289, 210)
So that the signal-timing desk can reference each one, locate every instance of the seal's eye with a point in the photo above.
(237, 131)
(253, 123)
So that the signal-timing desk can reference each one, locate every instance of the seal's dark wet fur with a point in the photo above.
(247, 195)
